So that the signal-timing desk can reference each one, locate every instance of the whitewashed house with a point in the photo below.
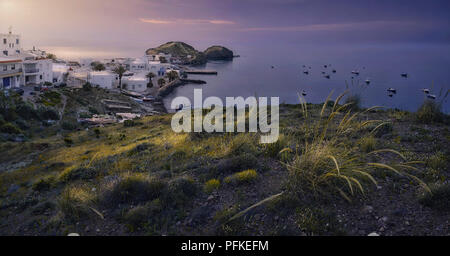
(36, 69)
(21, 68)
(103, 79)
(59, 71)
(10, 72)
(10, 44)
(137, 65)
(137, 82)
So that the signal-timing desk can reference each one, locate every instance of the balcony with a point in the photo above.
(10, 72)
(31, 70)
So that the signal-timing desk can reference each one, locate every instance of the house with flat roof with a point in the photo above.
(18, 67)
(10, 44)
(10, 72)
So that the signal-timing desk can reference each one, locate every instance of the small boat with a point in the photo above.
(273, 67)
(356, 72)
(303, 93)
(392, 90)
(427, 91)
(431, 96)
(323, 73)
(327, 76)
(306, 72)
(390, 95)
(405, 75)
(367, 81)
(325, 66)
(334, 71)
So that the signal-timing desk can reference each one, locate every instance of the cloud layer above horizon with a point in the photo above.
(138, 24)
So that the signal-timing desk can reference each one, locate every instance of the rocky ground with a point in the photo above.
(143, 179)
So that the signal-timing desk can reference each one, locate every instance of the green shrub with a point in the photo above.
(211, 185)
(242, 177)
(10, 128)
(93, 110)
(133, 188)
(128, 123)
(47, 113)
(355, 101)
(438, 161)
(85, 115)
(438, 199)
(273, 149)
(44, 184)
(234, 164)
(87, 86)
(27, 111)
(143, 213)
(77, 173)
(75, 202)
(368, 144)
(68, 141)
(66, 125)
(180, 191)
(316, 221)
(429, 111)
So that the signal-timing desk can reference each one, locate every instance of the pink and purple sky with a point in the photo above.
(128, 27)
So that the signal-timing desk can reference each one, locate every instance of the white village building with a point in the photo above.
(103, 79)
(59, 71)
(20, 68)
(10, 72)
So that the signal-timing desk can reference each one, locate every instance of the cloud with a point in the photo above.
(187, 21)
(335, 26)
(154, 21)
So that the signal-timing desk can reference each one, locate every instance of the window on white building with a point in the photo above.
(5, 68)
(17, 41)
(4, 40)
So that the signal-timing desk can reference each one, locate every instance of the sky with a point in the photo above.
(129, 27)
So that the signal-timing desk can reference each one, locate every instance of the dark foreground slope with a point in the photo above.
(145, 179)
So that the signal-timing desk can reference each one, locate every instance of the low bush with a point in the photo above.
(429, 112)
(211, 185)
(438, 199)
(133, 189)
(246, 176)
(75, 202)
(44, 184)
(10, 128)
(368, 144)
(77, 173)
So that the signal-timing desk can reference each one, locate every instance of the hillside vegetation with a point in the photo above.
(332, 172)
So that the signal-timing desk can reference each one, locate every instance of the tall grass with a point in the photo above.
(431, 110)
(329, 161)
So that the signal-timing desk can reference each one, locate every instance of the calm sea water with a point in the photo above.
(252, 74)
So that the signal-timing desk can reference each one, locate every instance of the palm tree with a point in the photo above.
(172, 75)
(161, 82)
(120, 70)
(150, 76)
(97, 66)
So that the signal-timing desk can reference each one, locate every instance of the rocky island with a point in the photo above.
(188, 55)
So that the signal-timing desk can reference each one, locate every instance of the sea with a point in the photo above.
(264, 72)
